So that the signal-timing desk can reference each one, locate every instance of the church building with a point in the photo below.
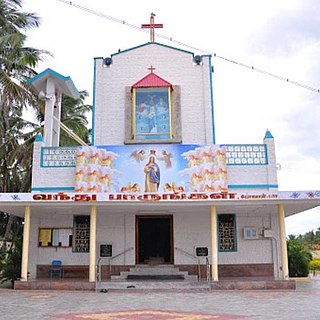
(155, 190)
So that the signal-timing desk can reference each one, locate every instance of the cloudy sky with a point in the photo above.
(279, 37)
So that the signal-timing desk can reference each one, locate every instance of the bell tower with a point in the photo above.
(50, 86)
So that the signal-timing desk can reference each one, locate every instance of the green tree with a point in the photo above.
(298, 258)
(11, 262)
(309, 238)
(317, 236)
(16, 60)
(74, 115)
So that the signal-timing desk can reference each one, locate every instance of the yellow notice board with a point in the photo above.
(45, 237)
(55, 237)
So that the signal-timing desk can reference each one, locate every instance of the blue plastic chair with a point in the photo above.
(55, 269)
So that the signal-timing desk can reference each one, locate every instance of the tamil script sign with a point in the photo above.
(154, 197)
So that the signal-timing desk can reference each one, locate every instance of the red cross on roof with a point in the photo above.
(151, 26)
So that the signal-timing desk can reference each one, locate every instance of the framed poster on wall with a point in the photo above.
(105, 250)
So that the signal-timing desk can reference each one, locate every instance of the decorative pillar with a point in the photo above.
(214, 244)
(93, 231)
(25, 244)
(283, 242)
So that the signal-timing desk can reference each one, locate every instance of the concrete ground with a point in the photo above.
(303, 303)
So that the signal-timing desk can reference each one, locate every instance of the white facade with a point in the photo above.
(191, 222)
(252, 200)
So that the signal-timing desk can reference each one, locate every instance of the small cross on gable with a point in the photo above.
(152, 68)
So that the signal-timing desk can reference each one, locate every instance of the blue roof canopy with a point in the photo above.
(62, 83)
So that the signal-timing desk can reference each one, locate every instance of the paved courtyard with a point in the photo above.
(303, 303)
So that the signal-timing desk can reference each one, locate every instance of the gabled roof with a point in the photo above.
(150, 44)
(151, 80)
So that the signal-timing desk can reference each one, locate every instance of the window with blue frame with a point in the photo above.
(152, 114)
(227, 232)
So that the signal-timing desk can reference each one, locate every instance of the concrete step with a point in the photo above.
(152, 272)
(152, 285)
(160, 277)
(192, 278)
(156, 270)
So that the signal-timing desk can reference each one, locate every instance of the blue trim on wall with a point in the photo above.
(249, 145)
(252, 186)
(267, 152)
(246, 164)
(148, 43)
(245, 144)
(52, 189)
(58, 167)
(94, 100)
(212, 104)
(41, 158)
(54, 166)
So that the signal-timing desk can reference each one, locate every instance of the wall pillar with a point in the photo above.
(283, 242)
(93, 246)
(50, 100)
(214, 244)
(25, 244)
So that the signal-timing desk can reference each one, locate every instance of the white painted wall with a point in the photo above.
(191, 229)
(173, 65)
(191, 224)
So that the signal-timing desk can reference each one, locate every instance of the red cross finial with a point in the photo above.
(152, 68)
(151, 26)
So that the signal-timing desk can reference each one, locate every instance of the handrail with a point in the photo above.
(98, 277)
(208, 266)
(192, 256)
(121, 253)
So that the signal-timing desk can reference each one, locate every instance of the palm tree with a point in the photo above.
(16, 65)
(17, 135)
(16, 60)
(74, 115)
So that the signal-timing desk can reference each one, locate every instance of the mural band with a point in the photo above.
(151, 169)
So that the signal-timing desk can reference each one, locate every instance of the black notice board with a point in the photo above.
(201, 251)
(105, 250)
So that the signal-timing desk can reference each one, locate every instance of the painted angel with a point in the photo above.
(166, 157)
(138, 155)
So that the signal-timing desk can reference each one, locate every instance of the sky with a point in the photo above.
(279, 37)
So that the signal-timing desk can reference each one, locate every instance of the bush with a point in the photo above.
(314, 264)
(11, 263)
(298, 258)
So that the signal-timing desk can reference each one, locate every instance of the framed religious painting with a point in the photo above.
(152, 114)
(153, 111)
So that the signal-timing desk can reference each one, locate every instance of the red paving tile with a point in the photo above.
(148, 314)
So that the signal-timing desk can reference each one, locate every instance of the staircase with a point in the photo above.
(153, 277)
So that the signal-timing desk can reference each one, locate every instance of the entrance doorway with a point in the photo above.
(154, 239)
